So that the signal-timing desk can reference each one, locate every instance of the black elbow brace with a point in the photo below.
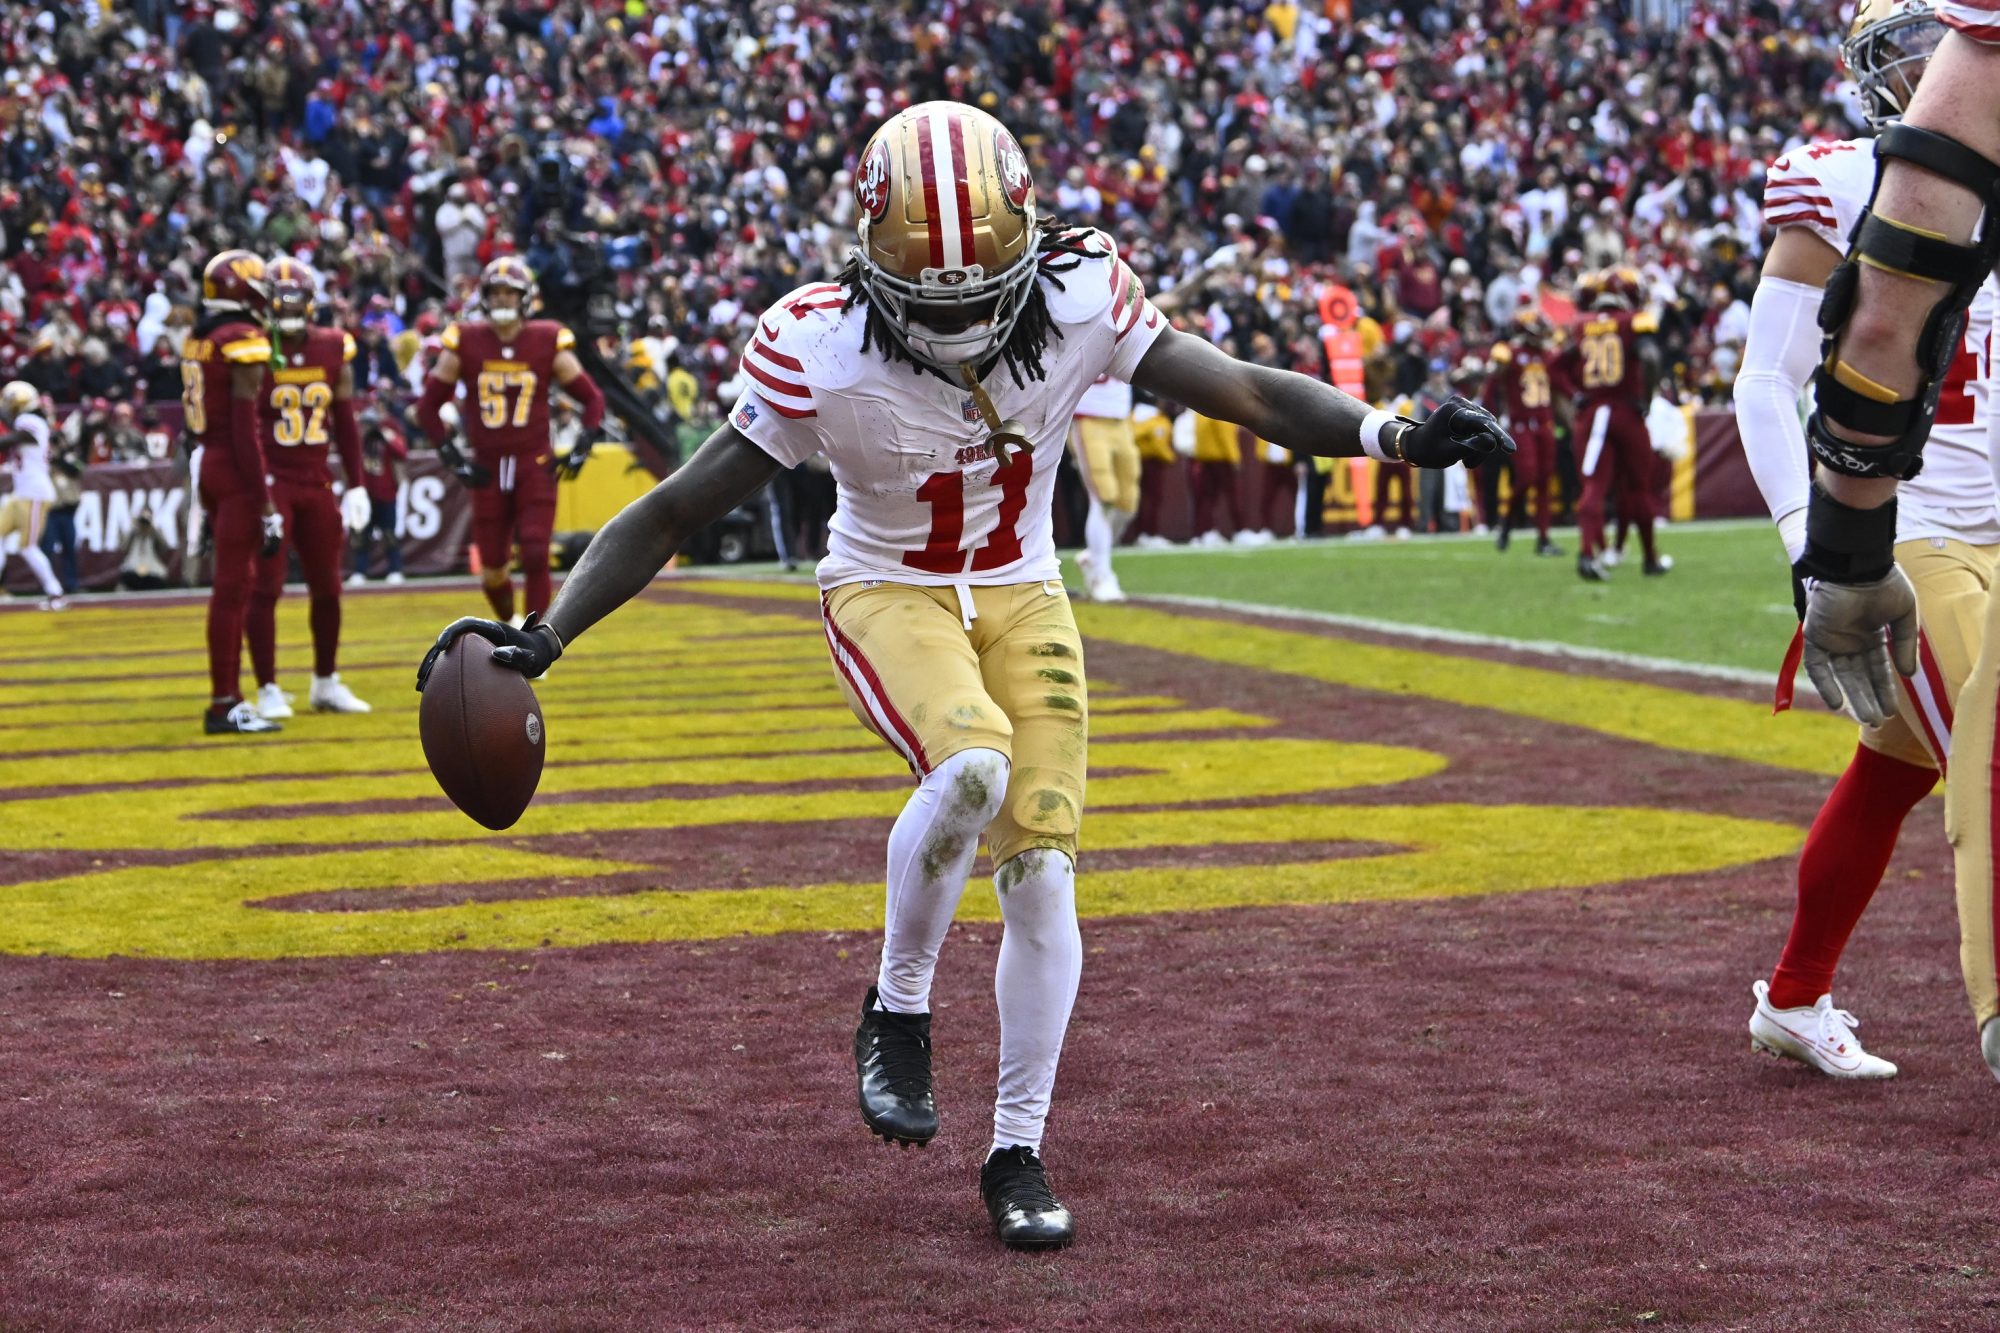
(1843, 396)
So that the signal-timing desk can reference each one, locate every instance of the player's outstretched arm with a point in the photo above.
(1299, 413)
(625, 556)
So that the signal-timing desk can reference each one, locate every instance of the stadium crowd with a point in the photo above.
(1438, 158)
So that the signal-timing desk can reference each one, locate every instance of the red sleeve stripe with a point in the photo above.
(795, 413)
(777, 358)
(816, 289)
(1801, 219)
(1131, 322)
(1773, 198)
(1121, 288)
(776, 385)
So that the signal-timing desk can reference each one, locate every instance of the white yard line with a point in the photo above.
(1464, 638)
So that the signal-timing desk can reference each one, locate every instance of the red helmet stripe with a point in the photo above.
(925, 156)
(963, 190)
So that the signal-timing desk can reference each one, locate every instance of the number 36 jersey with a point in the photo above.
(1825, 188)
(295, 418)
(505, 404)
(922, 499)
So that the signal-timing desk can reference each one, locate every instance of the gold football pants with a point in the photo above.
(1959, 616)
(1109, 452)
(934, 671)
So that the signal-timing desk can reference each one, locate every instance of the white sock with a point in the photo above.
(1041, 959)
(1097, 536)
(930, 854)
(38, 561)
(1121, 519)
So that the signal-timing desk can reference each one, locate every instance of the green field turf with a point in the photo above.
(1726, 603)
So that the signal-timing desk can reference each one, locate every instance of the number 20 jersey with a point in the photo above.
(295, 417)
(504, 400)
(1825, 188)
(922, 500)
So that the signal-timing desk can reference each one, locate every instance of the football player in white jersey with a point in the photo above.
(1947, 540)
(25, 445)
(1108, 456)
(939, 374)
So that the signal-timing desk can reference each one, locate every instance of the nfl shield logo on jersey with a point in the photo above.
(744, 416)
(969, 410)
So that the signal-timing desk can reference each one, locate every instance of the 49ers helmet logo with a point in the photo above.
(1017, 183)
(871, 185)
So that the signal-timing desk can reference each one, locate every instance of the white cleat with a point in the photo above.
(55, 603)
(1108, 588)
(1821, 1036)
(357, 580)
(273, 704)
(395, 578)
(329, 695)
(1610, 557)
(1989, 1044)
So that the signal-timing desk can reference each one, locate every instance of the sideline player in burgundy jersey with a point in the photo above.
(307, 405)
(939, 374)
(1521, 392)
(507, 363)
(1614, 365)
(223, 361)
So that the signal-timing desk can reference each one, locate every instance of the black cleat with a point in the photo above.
(892, 1066)
(1543, 546)
(1500, 542)
(1658, 568)
(1590, 571)
(1025, 1215)
(239, 720)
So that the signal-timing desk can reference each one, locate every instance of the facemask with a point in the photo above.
(974, 343)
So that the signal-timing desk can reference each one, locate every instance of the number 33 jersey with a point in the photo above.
(295, 419)
(504, 406)
(1825, 188)
(922, 499)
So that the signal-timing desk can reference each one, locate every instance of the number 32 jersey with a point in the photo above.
(295, 419)
(921, 497)
(505, 405)
(1825, 189)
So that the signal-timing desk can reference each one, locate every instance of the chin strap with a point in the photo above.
(1001, 434)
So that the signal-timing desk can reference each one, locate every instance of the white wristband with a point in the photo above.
(1371, 435)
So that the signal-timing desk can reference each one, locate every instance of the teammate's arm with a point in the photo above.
(576, 382)
(346, 429)
(440, 387)
(625, 556)
(1306, 416)
(1778, 359)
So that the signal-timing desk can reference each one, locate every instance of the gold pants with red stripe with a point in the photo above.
(1954, 715)
(1952, 579)
(934, 671)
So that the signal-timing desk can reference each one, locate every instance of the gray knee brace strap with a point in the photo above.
(1847, 400)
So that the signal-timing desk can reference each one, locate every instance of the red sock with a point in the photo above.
(500, 596)
(1845, 854)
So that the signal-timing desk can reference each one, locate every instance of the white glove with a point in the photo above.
(355, 509)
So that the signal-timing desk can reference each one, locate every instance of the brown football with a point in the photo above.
(482, 733)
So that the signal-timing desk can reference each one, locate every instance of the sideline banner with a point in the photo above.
(433, 520)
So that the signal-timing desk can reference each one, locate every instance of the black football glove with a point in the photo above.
(467, 470)
(571, 463)
(1460, 431)
(529, 650)
(274, 533)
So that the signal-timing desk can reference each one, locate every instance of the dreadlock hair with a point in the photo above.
(1063, 247)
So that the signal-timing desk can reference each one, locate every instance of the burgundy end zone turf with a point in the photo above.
(1532, 1112)
(482, 733)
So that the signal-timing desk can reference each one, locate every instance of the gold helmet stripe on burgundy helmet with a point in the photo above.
(235, 279)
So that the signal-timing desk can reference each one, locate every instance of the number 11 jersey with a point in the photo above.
(922, 499)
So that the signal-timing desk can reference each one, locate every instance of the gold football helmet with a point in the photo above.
(948, 237)
(19, 396)
(1886, 51)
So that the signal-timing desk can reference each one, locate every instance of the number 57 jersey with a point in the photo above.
(505, 407)
(1824, 188)
(922, 499)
